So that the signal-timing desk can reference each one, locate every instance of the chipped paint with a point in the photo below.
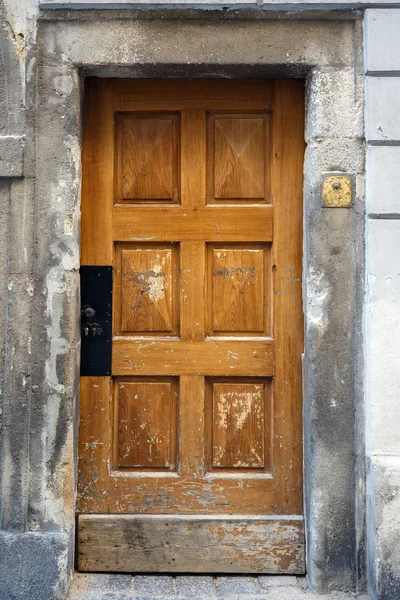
(240, 275)
(236, 407)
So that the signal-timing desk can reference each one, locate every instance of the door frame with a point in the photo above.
(333, 240)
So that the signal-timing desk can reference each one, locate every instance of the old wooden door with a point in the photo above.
(190, 454)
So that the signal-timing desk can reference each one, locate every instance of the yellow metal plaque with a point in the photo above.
(337, 191)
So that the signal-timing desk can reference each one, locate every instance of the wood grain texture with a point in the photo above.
(193, 158)
(288, 151)
(192, 94)
(145, 289)
(252, 357)
(129, 492)
(193, 265)
(238, 424)
(232, 323)
(147, 157)
(97, 174)
(237, 289)
(181, 224)
(94, 440)
(238, 157)
(192, 406)
(192, 544)
(145, 424)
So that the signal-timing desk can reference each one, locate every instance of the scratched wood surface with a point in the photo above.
(190, 544)
(197, 189)
(145, 299)
(238, 428)
(145, 423)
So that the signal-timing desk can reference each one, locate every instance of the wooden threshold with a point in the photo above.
(191, 544)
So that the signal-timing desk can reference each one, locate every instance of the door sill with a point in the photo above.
(191, 544)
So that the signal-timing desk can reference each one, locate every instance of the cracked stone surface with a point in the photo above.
(95, 586)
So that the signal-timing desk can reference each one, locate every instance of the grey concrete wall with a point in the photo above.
(40, 275)
(382, 317)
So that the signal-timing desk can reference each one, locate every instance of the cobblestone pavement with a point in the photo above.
(195, 587)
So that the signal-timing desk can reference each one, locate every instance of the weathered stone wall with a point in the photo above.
(44, 63)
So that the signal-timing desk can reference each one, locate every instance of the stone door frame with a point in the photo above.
(326, 52)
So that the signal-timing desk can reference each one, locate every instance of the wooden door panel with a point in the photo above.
(145, 424)
(237, 422)
(238, 158)
(239, 284)
(146, 290)
(147, 158)
(197, 188)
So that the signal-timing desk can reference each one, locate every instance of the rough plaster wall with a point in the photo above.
(33, 564)
(18, 267)
(333, 296)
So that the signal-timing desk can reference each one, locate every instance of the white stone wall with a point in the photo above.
(382, 310)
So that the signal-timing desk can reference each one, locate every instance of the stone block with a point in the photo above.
(383, 332)
(194, 586)
(383, 525)
(35, 566)
(12, 156)
(268, 582)
(382, 123)
(227, 586)
(89, 585)
(217, 48)
(382, 40)
(335, 107)
(153, 584)
(383, 180)
(22, 192)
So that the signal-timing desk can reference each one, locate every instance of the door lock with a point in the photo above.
(96, 318)
(91, 329)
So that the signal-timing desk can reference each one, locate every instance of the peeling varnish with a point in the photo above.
(240, 275)
(152, 283)
(242, 404)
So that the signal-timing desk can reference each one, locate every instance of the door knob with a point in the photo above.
(89, 312)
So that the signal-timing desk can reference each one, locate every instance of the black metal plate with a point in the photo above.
(96, 292)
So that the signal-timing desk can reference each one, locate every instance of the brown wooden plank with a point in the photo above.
(192, 94)
(193, 158)
(126, 543)
(128, 491)
(191, 424)
(94, 441)
(252, 357)
(97, 175)
(288, 149)
(178, 223)
(145, 426)
(192, 256)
